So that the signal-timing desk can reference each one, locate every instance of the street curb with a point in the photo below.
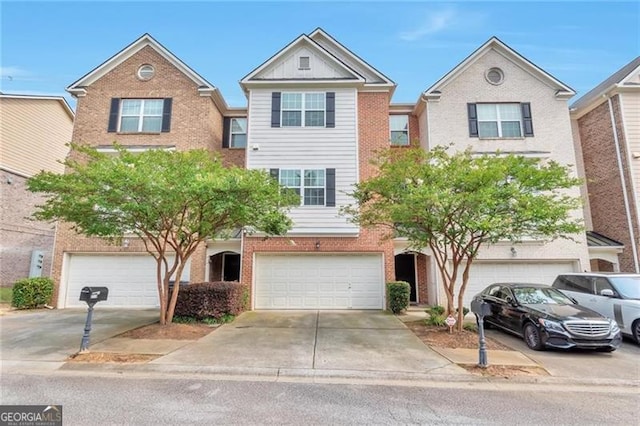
(341, 375)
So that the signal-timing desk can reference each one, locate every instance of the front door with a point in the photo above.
(231, 267)
(406, 271)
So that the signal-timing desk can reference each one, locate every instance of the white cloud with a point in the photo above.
(435, 22)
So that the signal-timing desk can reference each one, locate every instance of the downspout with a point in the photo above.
(627, 209)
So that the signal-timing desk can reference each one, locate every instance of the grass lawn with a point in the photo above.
(5, 295)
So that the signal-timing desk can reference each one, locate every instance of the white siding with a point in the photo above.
(631, 117)
(321, 66)
(308, 148)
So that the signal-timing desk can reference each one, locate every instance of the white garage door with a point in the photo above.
(318, 282)
(484, 273)
(131, 279)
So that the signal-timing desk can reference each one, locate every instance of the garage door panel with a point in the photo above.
(318, 282)
(485, 273)
(131, 279)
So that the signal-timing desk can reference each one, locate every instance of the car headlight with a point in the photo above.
(614, 327)
(551, 325)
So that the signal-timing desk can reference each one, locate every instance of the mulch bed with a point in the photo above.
(169, 331)
(106, 357)
(440, 337)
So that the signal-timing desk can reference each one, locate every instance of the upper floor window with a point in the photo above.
(500, 120)
(312, 109)
(140, 115)
(303, 109)
(316, 187)
(238, 133)
(399, 127)
(304, 63)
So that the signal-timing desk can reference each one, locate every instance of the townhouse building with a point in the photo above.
(316, 115)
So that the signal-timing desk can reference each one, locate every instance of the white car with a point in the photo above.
(616, 296)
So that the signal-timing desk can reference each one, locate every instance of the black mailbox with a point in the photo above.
(480, 307)
(94, 294)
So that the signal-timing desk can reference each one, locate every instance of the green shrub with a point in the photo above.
(30, 293)
(436, 316)
(398, 295)
(465, 311)
(470, 326)
(212, 300)
(435, 310)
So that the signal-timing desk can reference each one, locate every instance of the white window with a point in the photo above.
(499, 120)
(399, 127)
(238, 133)
(295, 106)
(308, 184)
(141, 115)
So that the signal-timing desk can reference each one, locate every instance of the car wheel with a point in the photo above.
(636, 330)
(532, 337)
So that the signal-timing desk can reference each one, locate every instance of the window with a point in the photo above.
(399, 127)
(238, 133)
(308, 184)
(499, 121)
(141, 115)
(146, 72)
(295, 106)
(304, 63)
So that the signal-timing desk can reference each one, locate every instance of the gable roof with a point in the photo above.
(339, 55)
(302, 39)
(205, 88)
(63, 102)
(562, 90)
(616, 79)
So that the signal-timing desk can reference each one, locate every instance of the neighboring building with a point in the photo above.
(496, 100)
(34, 131)
(316, 115)
(606, 123)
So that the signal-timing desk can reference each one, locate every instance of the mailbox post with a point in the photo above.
(91, 295)
(481, 308)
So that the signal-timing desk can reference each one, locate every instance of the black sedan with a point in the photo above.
(546, 318)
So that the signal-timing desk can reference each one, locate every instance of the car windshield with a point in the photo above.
(628, 287)
(540, 295)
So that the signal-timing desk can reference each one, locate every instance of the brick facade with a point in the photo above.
(603, 180)
(19, 234)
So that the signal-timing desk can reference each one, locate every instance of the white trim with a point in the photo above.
(313, 45)
(14, 172)
(351, 55)
(623, 181)
(630, 159)
(504, 50)
(356, 132)
(396, 130)
(231, 132)
(133, 48)
(60, 99)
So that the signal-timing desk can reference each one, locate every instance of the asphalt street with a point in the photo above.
(138, 400)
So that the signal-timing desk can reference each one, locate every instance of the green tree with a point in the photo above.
(173, 201)
(455, 203)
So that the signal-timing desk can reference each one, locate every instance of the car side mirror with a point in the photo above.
(607, 292)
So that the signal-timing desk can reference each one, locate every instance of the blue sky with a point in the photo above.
(46, 46)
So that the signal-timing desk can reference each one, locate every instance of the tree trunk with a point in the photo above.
(174, 294)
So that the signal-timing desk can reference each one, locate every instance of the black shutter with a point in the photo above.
(527, 121)
(113, 115)
(166, 115)
(330, 196)
(226, 131)
(473, 120)
(275, 109)
(275, 173)
(331, 109)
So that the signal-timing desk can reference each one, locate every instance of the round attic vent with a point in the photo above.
(494, 76)
(146, 72)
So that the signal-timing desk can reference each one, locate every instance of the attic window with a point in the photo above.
(146, 72)
(304, 63)
(494, 76)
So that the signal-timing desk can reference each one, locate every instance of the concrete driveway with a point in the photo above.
(623, 364)
(51, 336)
(313, 340)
